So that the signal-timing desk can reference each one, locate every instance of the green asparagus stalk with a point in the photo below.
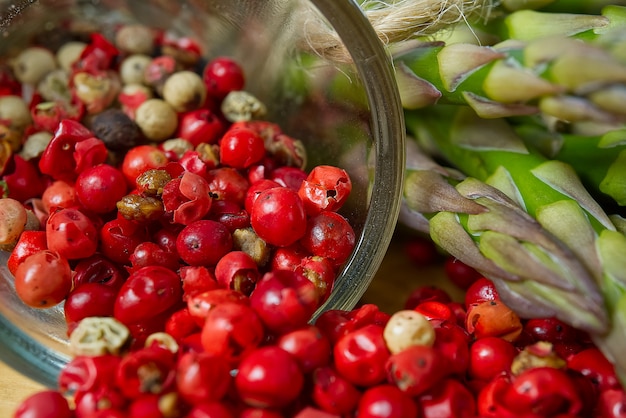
(557, 76)
(550, 192)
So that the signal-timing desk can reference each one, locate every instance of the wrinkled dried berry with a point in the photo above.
(116, 129)
(140, 208)
(152, 181)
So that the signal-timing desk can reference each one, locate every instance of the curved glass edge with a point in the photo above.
(29, 357)
(375, 69)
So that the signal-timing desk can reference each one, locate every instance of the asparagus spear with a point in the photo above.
(550, 192)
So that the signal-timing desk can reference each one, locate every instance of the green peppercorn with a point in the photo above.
(151, 182)
(140, 208)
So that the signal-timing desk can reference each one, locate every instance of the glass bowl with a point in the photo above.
(323, 74)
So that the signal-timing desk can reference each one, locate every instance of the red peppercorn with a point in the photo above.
(449, 398)
(460, 273)
(43, 404)
(360, 356)
(325, 188)
(482, 290)
(329, 235)
(592, 364)
(43, 279)
(232, 330)
(238, 271)
(147, 292)
(221, 76)
(260, 383)
(203, 243)
(241, 147)
(308, 345)
(99, 188)
(416, 369)
(71, 234)
(386, 401)
(490, 356)
(332, 392)
(202, 377)
(284, 300)
(278, 216)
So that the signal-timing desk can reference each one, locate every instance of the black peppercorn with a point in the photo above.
(116, 129)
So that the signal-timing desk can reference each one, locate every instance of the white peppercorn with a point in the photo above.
(15, 110)
(407, 328)
(32, 64)
(241, 106)
(184, 91)
(35, 144)
(54, 86)
(133, 67)
(135, 39)
(156, 119)
(69, 53)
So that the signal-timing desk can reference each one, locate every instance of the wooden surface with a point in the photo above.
(396, 278)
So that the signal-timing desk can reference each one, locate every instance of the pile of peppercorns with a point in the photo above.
(190, 249)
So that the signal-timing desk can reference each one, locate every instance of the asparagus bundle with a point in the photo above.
(557, 75)
(537, 276)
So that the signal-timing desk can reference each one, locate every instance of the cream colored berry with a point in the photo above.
(35, 144)
(96, 336)
(13, 219)
(156, 119)
(184, 91)
(407, 328)
(32, 64)
(69, 53)
(135, 39)
(132, 68)
(240, 106)
(55, 86)
(15, 110)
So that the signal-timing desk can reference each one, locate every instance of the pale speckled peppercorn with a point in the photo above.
(135, 39)
(407, 328)
(54, 86)
(32, 64)
(184, 91)
(35, 144)
(132, 68)
(69, 53)
(156, 119)
(241, 106)
(15, 110)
